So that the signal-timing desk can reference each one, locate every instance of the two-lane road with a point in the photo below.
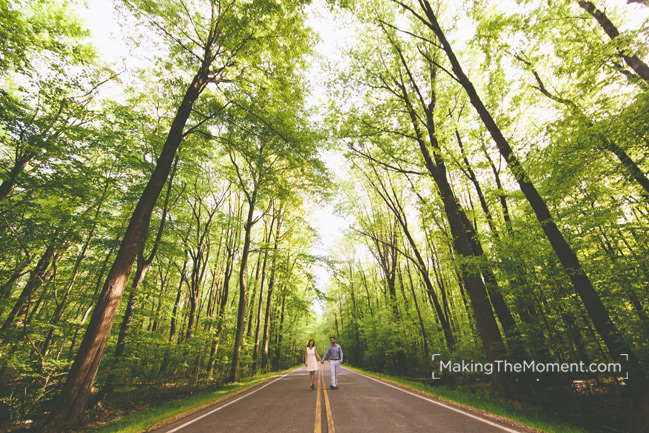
(361, 404)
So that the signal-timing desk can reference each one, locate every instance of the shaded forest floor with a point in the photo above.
(598, 408)
(139, 407)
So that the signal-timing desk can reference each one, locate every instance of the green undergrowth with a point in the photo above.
(524, 415)
(146, 418)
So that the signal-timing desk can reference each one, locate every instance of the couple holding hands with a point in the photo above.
(334, 353)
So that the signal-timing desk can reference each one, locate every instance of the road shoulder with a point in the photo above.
(470, 410)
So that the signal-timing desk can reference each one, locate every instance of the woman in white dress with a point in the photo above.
(310, 363)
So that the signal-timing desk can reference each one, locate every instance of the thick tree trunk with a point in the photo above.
(100, 278)
(76, 390)
(469, 273)
(125, 326)
(493, 288)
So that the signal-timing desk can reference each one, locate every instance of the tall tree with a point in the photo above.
(221, 36)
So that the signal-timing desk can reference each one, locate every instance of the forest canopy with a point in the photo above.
(159, 213)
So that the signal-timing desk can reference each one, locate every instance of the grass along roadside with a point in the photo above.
(523, 416)
(164, 413)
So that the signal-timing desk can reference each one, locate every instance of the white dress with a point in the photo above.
(311, 364)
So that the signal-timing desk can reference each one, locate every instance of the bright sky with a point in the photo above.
(334, 36)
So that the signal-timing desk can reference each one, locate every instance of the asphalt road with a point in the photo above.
(361, 404)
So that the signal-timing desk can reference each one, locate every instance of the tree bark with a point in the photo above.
(633, 61)
(593, 303)
(395, 206)
(231, 248)
(235, 371)
(280, 336)
(269, 297)
(253, 295)
(18, 167)
(35, 280)
(421, 321)
(174, 312)
(76, 390)
(58, 313)
(469, 273)
(627, 162)
(255, 353)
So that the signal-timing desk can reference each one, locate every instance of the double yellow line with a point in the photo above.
(318, 409)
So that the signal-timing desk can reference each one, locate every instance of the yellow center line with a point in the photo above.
(318, 411)
(330, 420)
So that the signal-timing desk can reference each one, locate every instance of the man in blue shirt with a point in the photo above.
(335, 355)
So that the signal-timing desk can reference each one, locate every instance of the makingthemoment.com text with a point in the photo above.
(503, 366)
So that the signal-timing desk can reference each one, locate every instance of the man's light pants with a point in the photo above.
(334, 366)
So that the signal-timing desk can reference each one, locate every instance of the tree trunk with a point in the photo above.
(125, 326)
(493, 288)
(58, 313)
(174, 312)
(501, 191)
(221, 313)
(634, 62)
(421, 321)
(87, 312)
(255, 353)
(593, 303)
(235, 371)
(76, 390)
(18, 167)
(630, 166)
(469, 273)
(280, 336)
(8, 287)
(253, 295)
(395, 206)
(35, 280)
(269, 298)
(231, 247)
